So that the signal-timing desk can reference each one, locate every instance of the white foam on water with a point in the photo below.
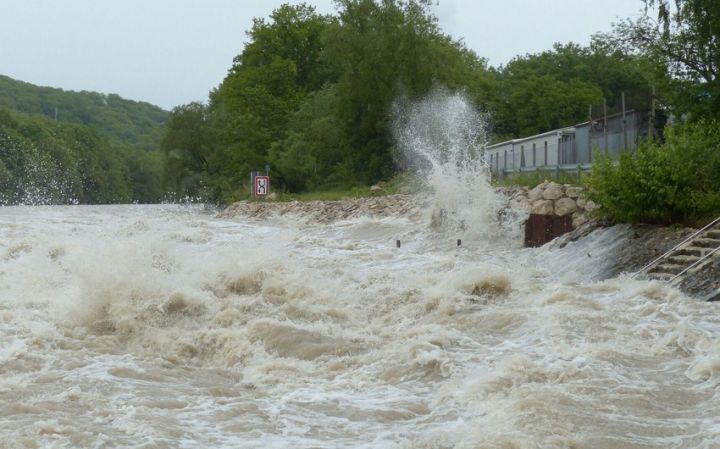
(165, 327)
(161, 325)
(441, 137)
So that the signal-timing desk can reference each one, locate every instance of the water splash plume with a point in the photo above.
(441, 137)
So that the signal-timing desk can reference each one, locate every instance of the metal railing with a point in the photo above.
(676, 247)
(697, 262)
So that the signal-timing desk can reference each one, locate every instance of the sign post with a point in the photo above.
(261, 186)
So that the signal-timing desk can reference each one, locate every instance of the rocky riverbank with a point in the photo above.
(328, 211)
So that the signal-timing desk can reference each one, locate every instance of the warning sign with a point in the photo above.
(262, 185)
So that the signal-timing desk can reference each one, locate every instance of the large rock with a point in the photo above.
(521, 203)
(565, 206)
(553, 191)
(519, 194)
(543, 207)
(590, 206)
(573, 191)
(581, 203)
(535, 194)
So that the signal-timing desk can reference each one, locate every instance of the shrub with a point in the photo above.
(674, 182)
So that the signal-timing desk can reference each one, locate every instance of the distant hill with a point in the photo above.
(63, 147)
(134, 123)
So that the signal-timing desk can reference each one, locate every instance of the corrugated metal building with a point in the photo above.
(568, 148)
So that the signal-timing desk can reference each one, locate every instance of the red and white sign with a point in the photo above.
(262, 185)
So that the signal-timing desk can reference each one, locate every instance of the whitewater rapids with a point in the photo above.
(168, 327)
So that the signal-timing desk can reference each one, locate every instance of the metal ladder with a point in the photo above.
(689, 255)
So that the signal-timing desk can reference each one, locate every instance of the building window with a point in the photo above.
(546, 152)
(505, 160)
(522, 156)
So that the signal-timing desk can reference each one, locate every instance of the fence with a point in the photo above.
(610, 129)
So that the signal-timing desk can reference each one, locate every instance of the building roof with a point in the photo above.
(536, 136)
(569, 129)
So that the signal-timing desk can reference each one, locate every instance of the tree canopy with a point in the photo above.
(59, 147)
(682, 46)
(312, 96)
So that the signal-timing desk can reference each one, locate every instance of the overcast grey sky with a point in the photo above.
(170, 52)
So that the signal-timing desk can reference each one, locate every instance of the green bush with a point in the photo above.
(674, 182)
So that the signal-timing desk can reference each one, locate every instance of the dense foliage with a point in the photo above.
(124, 122)
(554, 88)
(678, 181)
(674, 182)
(312, 96)
(682, 42)
(101, 149)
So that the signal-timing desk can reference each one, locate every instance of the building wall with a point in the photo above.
(568, 146)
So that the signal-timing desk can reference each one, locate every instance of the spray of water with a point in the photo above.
(441, 137)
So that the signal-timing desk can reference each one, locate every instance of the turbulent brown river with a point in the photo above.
(166, 327)
(170, 327)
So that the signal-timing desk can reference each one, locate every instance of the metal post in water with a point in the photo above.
(397, 243)
(459, 242)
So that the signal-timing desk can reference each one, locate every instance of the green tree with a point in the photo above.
(187, 146)
(674, 182)
(388, 49)
(315, 152)
(684, 43)
(266, 84)
(551, 89)
(86, 147)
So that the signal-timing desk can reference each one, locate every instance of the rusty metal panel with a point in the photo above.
(540, 229)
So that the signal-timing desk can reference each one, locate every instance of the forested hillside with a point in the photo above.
(312, 95)
(101, 148)
(123, 121)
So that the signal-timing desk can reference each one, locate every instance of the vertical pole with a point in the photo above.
(590, 129)
(512, 154)
(253, 174)
(605, 136)
(624, 123)
(651, 121)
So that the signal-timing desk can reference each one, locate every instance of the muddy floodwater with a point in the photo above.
(167, 327)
